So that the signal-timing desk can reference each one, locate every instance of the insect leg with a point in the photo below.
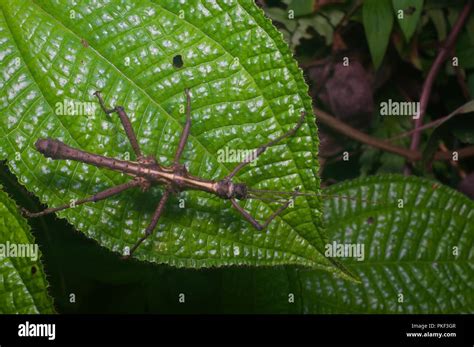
(186, 129)
(246, 215)
(263, 148)
(102, 103)
(127, 125)
(93, 198)
(253, 221)
(152, 225)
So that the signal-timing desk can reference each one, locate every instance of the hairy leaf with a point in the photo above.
(245, 87)
(417, 259)
(22, 280)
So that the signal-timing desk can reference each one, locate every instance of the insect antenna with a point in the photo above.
(269, 195)
(263, 198)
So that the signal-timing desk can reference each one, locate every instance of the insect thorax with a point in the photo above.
(228, 190)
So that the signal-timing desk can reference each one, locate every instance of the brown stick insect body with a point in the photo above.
(175, 178)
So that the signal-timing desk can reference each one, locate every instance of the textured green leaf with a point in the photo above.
(246, 89)
(408, 251)
(377, 17)
(22, 280)
(411, 10)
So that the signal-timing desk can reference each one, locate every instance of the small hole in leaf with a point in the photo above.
(178, 61)
(33, 270)
(370, 220)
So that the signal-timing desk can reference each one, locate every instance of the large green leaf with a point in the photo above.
(22, 280)
(377, 17)
(246, 89)
(424, 251)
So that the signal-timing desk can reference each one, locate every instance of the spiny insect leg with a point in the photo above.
(253, 221)
(127, 125)
(93, 198)
(152, 225)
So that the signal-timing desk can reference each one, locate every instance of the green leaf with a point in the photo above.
(423, 251)
(281, 16)
(300, 33)
(465, 51)
(377, 17)
(439, 22)
(23, 286)
(408, 14)
(323, 23)
(301, 7)
(408, 250)
(245, 87)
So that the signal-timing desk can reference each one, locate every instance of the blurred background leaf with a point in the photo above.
(408, 14)
(378, 22)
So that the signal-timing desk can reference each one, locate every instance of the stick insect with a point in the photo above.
(146, 171)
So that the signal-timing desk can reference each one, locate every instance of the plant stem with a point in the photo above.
(357, 135)
(441, 57)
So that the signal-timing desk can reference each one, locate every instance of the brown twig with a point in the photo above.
(357, 135)
(443, 54)
(347, 130)
(462, 153)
